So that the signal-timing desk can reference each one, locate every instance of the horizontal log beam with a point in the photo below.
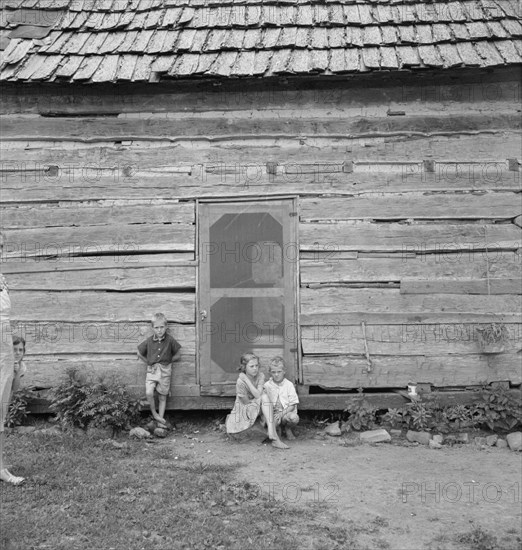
(409, 239)
(101, 306)
(92, 129)
(345, 372)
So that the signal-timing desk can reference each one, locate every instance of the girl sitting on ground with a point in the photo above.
(250, 402)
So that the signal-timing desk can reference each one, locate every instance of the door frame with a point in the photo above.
(297, 273)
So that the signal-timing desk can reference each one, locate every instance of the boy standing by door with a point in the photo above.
(158, 352)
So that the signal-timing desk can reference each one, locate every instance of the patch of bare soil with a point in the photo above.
(390, 495)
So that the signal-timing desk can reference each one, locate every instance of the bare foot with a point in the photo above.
(279, 444)
(289, 434)
(8, 477)
(160, 420)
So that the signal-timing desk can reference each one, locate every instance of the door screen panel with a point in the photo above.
(246, 286)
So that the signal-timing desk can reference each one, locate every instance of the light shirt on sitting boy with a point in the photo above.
(283, 393)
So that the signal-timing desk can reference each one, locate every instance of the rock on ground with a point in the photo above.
(333, 429)
(501, 443)
(375, 436)
(491, 440)
(139, 433)
(419, 437)
(160, 432)
(514, 441)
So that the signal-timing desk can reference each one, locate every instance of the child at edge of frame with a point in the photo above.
(158, 352)
(19, 366)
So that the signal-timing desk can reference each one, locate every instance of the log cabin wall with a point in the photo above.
(409, 219)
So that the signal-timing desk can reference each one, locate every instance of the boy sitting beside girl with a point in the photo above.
(277, 399)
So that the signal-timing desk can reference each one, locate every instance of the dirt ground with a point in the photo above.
(392, 495)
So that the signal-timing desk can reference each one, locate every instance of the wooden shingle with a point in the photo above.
(142, 40)
(163, 64)
(215, 40)
(365, 14)
(172, 15)
(224, 63)
(319, 60)
(424, 35)
(372, 36)
(488, 53)
(143, 69)
(507, 51)
(252, 39)
(371, 58)
(187, 64)
(300, 62)
(200, 39)
(87, 68)
(156, 43)
(186, 38)
(460, 32)
(407, 34)
(388, 58)
(270, 37)
(16, 51)
(261, 62)
(305, 15)
(389, 34)
(287, 37)
(496, 30)
(106, 72)
(352, 59)
(280, 60)
(69, 66)
(111, 43)
(205, 62)
(430, 56)
(441, 32)
(319, 38)
(407, 56)
(337, 37)
(477, 30)
(450, 55)
(468, 54)
(244, 64)
(351, 14)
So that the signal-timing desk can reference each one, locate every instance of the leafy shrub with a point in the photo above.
(362, 414)
(83, 402)
(17, 411)
(497, 409)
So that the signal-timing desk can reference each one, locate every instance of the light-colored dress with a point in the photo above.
(244, 415)
(6, 352)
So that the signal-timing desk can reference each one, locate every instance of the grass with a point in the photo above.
(85, 494)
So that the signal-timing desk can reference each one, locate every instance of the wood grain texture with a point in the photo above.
(413, 206)
(341, 300)
(99, 263)
(389, 372)
(122, 241)
(127, 277)
(400, 340)
(100, 213)
(59, 338)
(101, 306)
(329, 267)
(414, 238)
(109, 129)
(485, 286)
(46, 372)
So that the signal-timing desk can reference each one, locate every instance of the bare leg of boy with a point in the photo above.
(162, 406)
(289, 421)
(268, 413)
(152, 404)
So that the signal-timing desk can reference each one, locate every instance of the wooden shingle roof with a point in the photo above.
(152, 40)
